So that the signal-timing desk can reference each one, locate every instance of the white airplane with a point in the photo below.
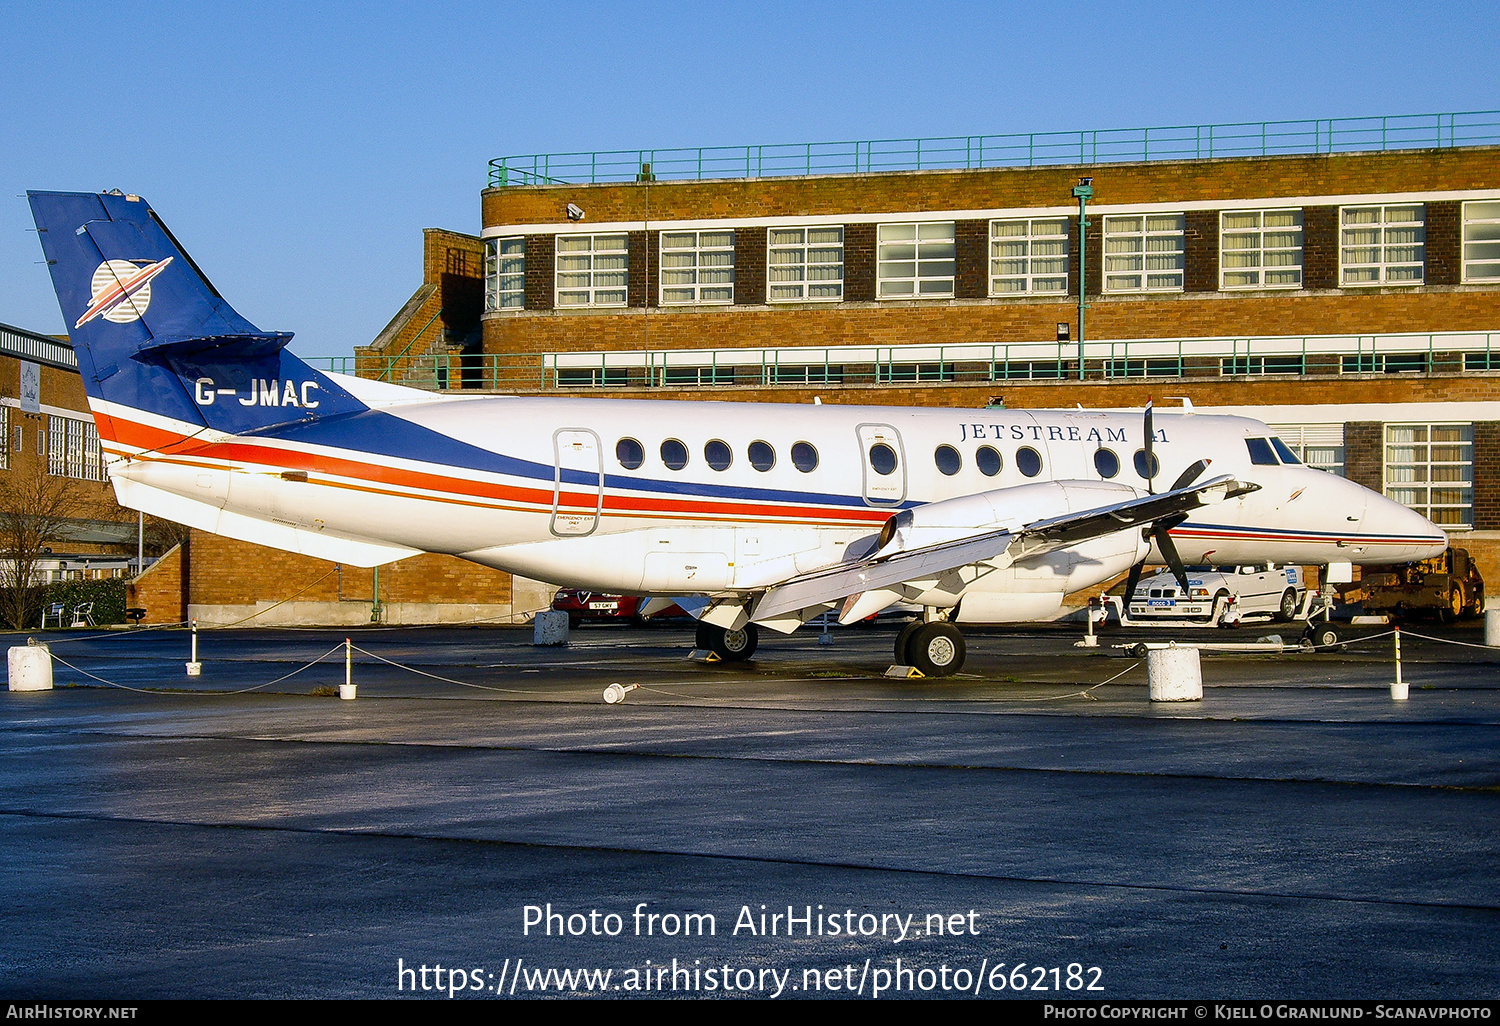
(744, 514)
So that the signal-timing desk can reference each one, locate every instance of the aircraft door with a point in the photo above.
(882, 463)
(577, 482)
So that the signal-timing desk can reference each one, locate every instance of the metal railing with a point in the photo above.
(1096, 146)
(878, 366)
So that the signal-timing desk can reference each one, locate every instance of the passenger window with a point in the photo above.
(674, 454)
(882, 459)
(1145, 470)
(718, 455)
(948, 460)
(630, 453)
(1028, 461)
(987, 460)
(762, 456)
(1260, 452)
(1284, 451)
(804, 457)
(1106, 463)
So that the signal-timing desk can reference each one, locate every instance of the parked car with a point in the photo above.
(1261, 588)
(593, 605)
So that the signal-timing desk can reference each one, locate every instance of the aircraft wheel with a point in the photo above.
(937, 649)
(1288, 607)
(903, 643)
(1324, 636)
(705, 637)
(738, 645)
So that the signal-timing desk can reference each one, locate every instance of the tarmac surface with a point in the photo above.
(1295, 834)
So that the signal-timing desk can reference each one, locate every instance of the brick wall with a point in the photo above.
(541, 271)
(1201, 259)
(1444, 244)
(1364, 454)
(1486, 480)
(750, 265)
(973, 242)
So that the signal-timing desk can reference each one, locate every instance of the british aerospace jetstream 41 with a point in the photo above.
(745, 515)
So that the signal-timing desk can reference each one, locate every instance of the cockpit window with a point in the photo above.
(1284, 451)
(1260, 452)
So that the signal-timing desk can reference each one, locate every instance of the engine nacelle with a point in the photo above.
(1007, 509)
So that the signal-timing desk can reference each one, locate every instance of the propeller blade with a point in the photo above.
(1190, 475)
(1133, 580)
(1150, 457)
(1168, 551)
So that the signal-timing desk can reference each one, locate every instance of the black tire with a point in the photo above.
(738, 645)
(1456, 605)
(937, 649)
(903, 643)
(1475, 606)
(574, 622)
(704, 640)
(1324, 636)
(1288, 608)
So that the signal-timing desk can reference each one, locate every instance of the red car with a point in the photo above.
(593, 605)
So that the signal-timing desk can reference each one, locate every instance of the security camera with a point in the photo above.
(575, 212)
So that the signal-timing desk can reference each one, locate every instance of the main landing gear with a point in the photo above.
(935, 647)
(732, 646)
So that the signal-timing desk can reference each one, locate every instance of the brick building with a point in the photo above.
(1350, 293)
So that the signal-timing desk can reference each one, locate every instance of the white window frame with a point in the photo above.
(1489, 256)
(701, 271)
(587, 283)
(930, 268)
(1020, 265)
(1423, 475)
(1164, 246)
(796, 266)
(5, 436)
(1320, 446)
(1246, 247)
(505, 273)
(1393, 262)
(73, 448)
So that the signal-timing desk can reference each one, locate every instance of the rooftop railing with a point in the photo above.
(1097, 146)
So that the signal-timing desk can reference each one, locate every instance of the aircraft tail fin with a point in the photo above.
(153, 335)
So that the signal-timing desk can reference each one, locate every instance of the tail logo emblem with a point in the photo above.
(121, 291)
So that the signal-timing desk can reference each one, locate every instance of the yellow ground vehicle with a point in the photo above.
(1448, 586)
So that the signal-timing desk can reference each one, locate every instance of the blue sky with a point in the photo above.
(297, 150)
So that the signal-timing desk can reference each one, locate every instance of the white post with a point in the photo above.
(1399, 688)
(346, 690)
(194, 667)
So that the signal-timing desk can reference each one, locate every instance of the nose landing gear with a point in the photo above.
(734, 646)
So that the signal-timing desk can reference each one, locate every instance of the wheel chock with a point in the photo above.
(897, 670)
(704, 655)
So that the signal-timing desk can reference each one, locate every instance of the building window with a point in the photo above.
(1029, 256)
(1383, 363)
(813, 374)
(1262, 365)
(888, 372)
(591, 270)
(916, 261)
(505, 274)
(1260, 249)
(1482, 242)
(805, 264)
(1156, 367)
(1144, 252)
(698, 376)
(5, 435)
(1005, 369)
(1320, 446)
(73, 449)
(592, 377)
(697, 267)
(1430, 468)
(1382, 245)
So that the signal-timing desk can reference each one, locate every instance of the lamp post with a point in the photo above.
(1084, 190)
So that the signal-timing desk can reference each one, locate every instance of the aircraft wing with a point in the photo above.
(882, 570)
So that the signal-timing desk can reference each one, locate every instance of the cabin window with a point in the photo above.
(947, 459)
(987, 459)
(762, 456)
(1260, 452)
(718, 455)
(1028, 461)
(1106, 462)
(674, 454)
(630, 453)
(1284, 451)
(1147, 467)
(805, 457)
(882, 459)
